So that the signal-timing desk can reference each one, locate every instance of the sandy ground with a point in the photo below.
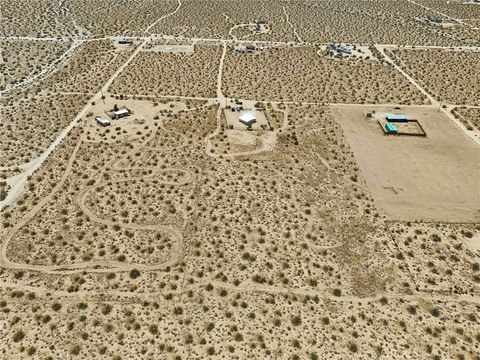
(432, 178)
(168, 235)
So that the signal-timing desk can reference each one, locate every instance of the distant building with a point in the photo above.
(396, 118)
(333, 48)
(435, 20)
(118, 114)
(125, 41)
(247, 117)
(249, 48)
(102, 122)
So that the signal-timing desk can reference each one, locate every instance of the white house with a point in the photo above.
(120, 113)
(247, 117)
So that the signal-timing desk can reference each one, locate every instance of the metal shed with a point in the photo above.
(391, 128)
(396, 118)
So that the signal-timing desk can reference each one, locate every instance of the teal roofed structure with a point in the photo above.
(391, 128)
(394, 117)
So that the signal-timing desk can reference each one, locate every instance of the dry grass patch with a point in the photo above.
(450, 76)
(87, 70)
(214, 18)
(24, 59)
(177, 74)
(302, 74)
(29, 124)
(470, 117)
(381, 22)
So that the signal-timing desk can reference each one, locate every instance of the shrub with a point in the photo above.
(18, 336)
(153, 329)
(412, 309)
(134, 273)
(436, 237)
(106, 309)
(56, 306)
(296, 320)
(75, 350)
(18, 275)
(337, 292)
(178, 310)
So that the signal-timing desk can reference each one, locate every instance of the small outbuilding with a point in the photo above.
(102, 122)
(125, 41)
(391, 129)
(396, 118)
(120, 113)
(247, 117)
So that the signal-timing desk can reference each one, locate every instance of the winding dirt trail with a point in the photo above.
(105, 265)
(294, 29)
(164, 16)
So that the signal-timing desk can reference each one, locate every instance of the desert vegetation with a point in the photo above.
(86, 72)
(381, 22)
(305, 75)
(78, 18)
(159, 73)
(214, 19)
(24, 59)
(208, 179)
(450, 76)
(30, 123)
(470, 117)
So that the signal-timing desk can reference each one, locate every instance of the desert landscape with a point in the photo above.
(230, 179)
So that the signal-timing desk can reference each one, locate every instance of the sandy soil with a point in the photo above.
(450, 76)
(432, 178)
(302, 74)
(171, 235)
(166, 73)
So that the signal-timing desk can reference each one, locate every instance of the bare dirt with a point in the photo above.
(412, 178)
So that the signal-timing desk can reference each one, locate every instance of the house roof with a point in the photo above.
(396, 117)
(247, 116)
(121, 111)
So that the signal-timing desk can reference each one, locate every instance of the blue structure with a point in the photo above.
(396, 118)
(391, 129)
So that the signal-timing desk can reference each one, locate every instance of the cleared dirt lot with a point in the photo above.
(432, 178)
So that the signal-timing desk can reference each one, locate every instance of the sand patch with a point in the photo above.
(432, 178)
